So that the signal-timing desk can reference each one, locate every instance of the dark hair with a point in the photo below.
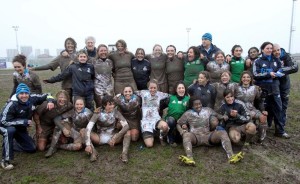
(250, 74)
(176, 86)
(127, 86)
(191, 101)
(20, 58)
(228, 91)
(139, 49)
(196, 51)
(106, 100)
(234, 47)
(206, 74)
(180, 52)
(99, 46)
(82, 51)
(219, 52)
(251, 49)
(72, 40)
(123, 43)
(171, 46)
(79, 98)
(262, 47)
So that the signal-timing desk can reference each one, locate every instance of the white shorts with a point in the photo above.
(148, 125)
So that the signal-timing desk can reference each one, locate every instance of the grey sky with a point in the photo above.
(143, 23)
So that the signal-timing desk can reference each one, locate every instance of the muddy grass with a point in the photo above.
(277, 161)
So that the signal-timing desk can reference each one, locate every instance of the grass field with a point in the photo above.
(278, 161)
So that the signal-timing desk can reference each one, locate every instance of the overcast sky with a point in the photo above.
(143, 23)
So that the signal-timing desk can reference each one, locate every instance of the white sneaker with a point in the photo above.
(6, 165)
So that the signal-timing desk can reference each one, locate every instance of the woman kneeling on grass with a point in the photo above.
(194, 126)
(14, 120)
(151, 120)
(106, 120)
(79, 118)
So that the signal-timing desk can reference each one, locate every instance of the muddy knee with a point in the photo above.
(251, 128)
(134, 133)
(41, 144)
(148, 143)
(213, 123)
(162, 125)
(263, 119)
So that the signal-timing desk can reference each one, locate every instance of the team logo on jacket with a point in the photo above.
(145, 68)
(134, 68)
(88, 70)
(275, 64)
(264, 65)
(174, 101)
(79, 69)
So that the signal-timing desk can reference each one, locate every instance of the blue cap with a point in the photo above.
(207, 36)
(22, 88)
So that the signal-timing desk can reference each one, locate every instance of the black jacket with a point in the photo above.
(141, 72)
(242, 117)
(17, 113)
(210, 54)
(206, 93)
(83, 75)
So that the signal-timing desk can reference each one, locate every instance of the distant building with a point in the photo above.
(4, 64)
(112, 48)
(37, 52)
(11, 53)
(296, 57)
(26, 50)
(58, 51)
(46, 52)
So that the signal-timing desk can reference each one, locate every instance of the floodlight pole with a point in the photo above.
(16, 28)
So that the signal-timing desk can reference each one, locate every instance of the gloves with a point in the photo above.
(279, 73)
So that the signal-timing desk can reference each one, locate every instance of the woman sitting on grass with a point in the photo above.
(238, 121)
(105, 120)
(79, 118)
(44, 118)
(194, 126)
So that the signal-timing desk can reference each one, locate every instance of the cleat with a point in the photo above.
(284, 135)
(187, 160)
(6, 165)
(50, 152)
(236, 158)
(124, 158)
(94, 155)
